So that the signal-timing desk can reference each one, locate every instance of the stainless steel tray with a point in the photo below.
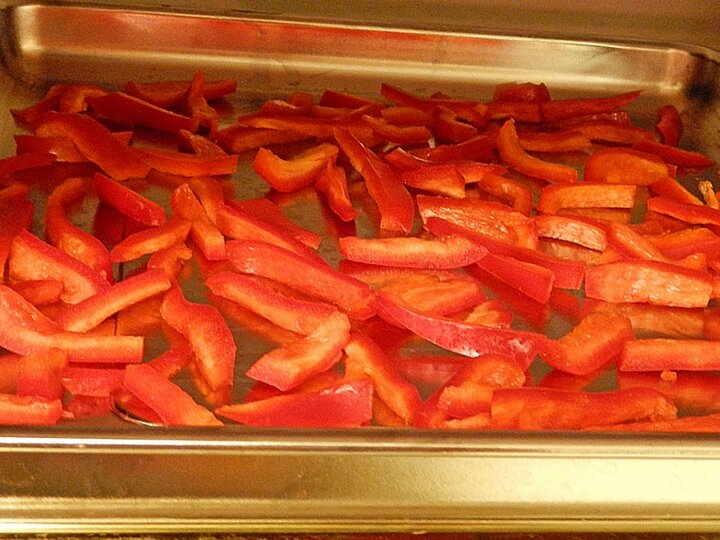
(111, 476)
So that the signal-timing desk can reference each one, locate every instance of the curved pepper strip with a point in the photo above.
(128, 202)
(617, 165)
(131, 111)
(287, 175)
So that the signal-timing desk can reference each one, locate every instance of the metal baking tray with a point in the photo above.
(112, 476)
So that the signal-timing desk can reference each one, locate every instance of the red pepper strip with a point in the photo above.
(669, 125)
(290, 365)
(677, 156)
(406, 116)
(333, 98)
(472, 111)
(617, 165)
(332, 181)
(464, 338)
(561, 109)
(568, 274)
(174, 231)
(516, 194)
(348, 404)
(489, 371)
(269, 212)
(709, 423)
(654, 282)
(128, 202)
(517, 110)
(441, 253)
(311, 127)
(16, 214)
(694, 392)
(204, 233)
(21, 162)
(287, 175)
(92, 381)
(96, 143)
(69, 238)
(198, 144)
(397, 134)
(196, 104)
(531, 279)
(208, 334)
(89, 313)
(29, 410)
(397, 209)
(39, 292)
(611, 132)
(523, 92)
(516, 158)
(172, 404)
(131, 111)
(313, 277)
(490, 313)
(39, 374)
(443, 179)
(669, 187)
(480, 148)
(534, 408)
(594, 342)
(585, 232)
(366, 358)
(31, 258)
(74, 97)
(556, 197)
(446, 127)
(689, 213)
(238, 139)
(170, 260)
(553, 142)
(25, 330)
(29, 115)
(684, 242)
(664, 354)
(294, 314)
(240, 225)
(170, 94)
(188, 164)
(62, 148)
(615, 117)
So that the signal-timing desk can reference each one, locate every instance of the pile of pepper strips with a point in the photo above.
(490, 215)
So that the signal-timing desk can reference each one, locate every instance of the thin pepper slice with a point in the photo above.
(287, 175)
(128, 202)
(618, 165)
(146, 241)
(665, 354)
(131, 111)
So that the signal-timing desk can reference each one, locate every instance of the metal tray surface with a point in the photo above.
(112, 476)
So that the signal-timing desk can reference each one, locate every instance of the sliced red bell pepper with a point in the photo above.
(134, 246)
(173, 405)
(288, 366)
(16, 214)
(465, 338)
(524, 92)
(405, 116)
(448, 127)
(445, 252)
(208, 334)
(617, 165)
(614, 133)
(466, 109)
(365, 357)
(561, 109)
(671, 188)
(695, 161)
(92, 381)
(490, 313)
(335, 98)
(654, 282)
(585, 232)
(238, 139)
(25, 330)
(132, 111)
(669, 125)
(479, 148)
(661, 354)
(29, 115)
(332, 181)
(510, 191)
(183, 164)
(516, 158)
(170, 260)
(709, 423)
(533, 408)
(317, 279)
(689, 213)
(171, 94)
(40, 374)
(96, 143)
(204, 232)
(31, 258)
(409, 134)
(291, 313)
(89, 313)
(694, 392)
(554, 142)
(198, 144)
(40, 292)
(22, 162)
(29, 410)
(128, 202)
(529, 278)
(397, 209)
(556, 197)
(517, 110)
(443, 179)
(287, 175)
(197, 106)
(348, 404)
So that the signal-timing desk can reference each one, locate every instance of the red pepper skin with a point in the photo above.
(554, 142)
(464, 338)
(89, 313)
(556, 197)
(294, 314)
(31, 258)
(689, 213)
(96, 143)
(594, 342)
(396, 205)
(669, 187)
(677, 156)
(317, 279)
(618, 165)
(365, 357)
(480, 148)
(69, 238)
(348, 404)
(664, 354)
(669, 125)
(531, 279)
(521, 92)
(21, 162)
(25, 330)
(151, 240)
(197, 106)
(204, 232)
(515, 157)
(397, 134)
(29, 410)
(332, 181)
(288, 175)
(39, 374)
(562, 109)
(533, 408)
(27, 116)
(171, 94)
(442, 179)
(510, 191)
(128, 202)
(172, 404)
(16, 214)
(654, 282)
(585, 232)
(208, 334)
(442, 253)
(613, 132)
(709, 423)
(189, 165)
(131, 111)
(39, 292)
(92, 381)
(288, 366)
(239, 139)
